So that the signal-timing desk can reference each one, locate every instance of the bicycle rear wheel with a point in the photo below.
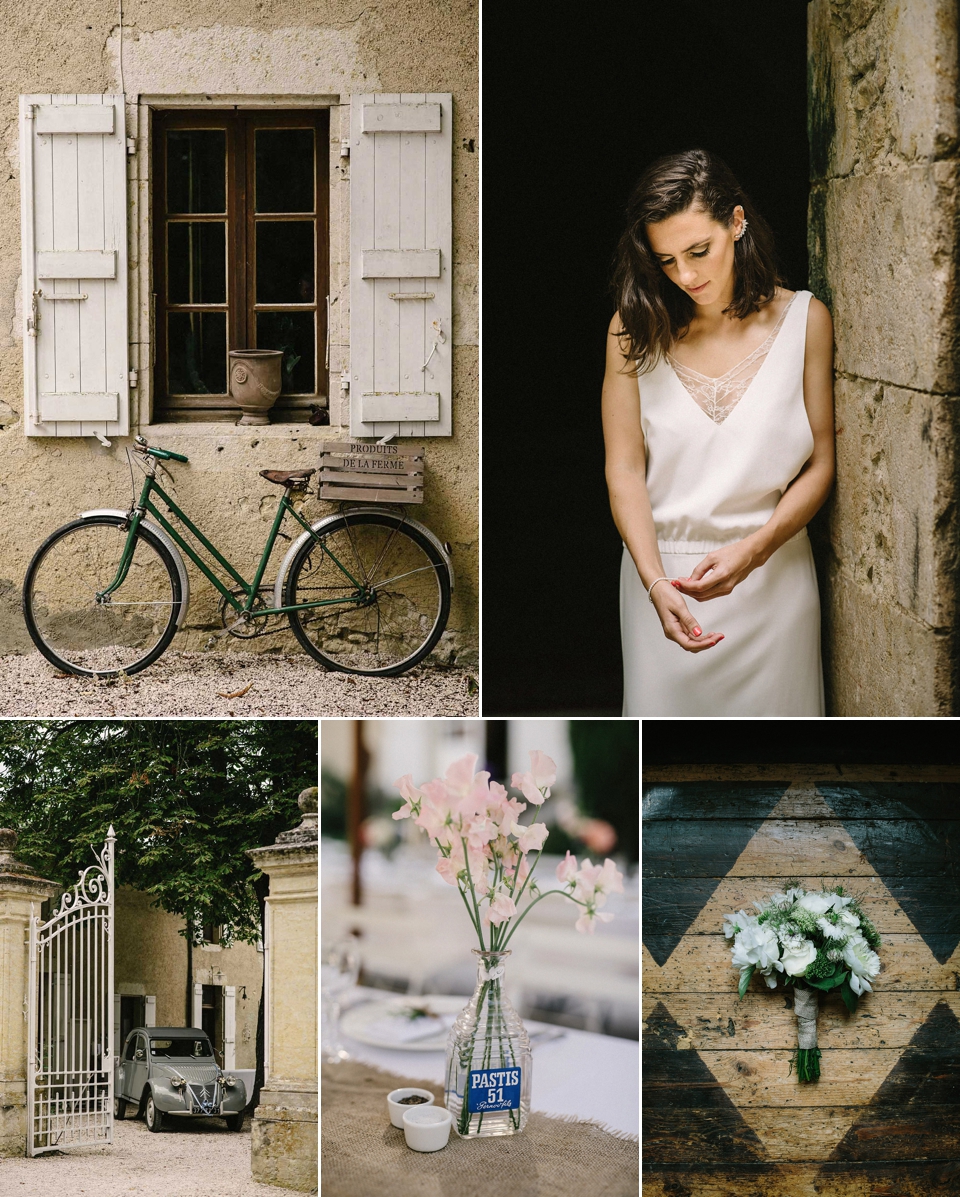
(400, 579)
(122, 633)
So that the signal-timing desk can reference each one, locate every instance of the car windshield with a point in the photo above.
(191, 1049)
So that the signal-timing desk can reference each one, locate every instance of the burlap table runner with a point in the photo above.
(363, 1155)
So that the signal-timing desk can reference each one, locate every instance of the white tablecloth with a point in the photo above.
(582, 1074)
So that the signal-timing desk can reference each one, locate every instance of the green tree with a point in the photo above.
(186, 800)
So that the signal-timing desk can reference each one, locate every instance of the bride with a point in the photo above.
(718, 424)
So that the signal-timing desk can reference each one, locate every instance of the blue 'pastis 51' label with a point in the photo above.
(492, 1089)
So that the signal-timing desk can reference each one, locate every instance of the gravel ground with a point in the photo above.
(232, 684)
(197, 1158)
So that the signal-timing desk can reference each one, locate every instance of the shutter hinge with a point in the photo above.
(132, 378)
(344, 147)
(345, 381)
(131, 145)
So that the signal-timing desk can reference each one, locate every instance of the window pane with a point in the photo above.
(293, 332)
(196, 262)
(285, 261)
(197, 353)
(196, 170)
(285, 171)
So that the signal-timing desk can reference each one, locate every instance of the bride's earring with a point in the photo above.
(743, 229)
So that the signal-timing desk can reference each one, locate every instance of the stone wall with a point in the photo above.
(883, 238)
(240, 48)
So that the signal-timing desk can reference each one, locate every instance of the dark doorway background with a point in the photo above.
(576, 104)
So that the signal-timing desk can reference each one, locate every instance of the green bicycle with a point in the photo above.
(365, 591)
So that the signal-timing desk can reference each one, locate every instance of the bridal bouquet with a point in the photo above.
(813, 942)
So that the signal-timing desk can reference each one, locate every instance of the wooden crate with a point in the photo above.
(371, 473)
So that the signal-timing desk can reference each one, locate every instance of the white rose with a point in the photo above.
(862, 962)
(817, 903)
(849, 919)
(798, 955)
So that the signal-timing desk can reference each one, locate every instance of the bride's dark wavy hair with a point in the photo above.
(654, 311)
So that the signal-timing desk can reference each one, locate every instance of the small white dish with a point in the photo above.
(427, 1128)
(397, 1109)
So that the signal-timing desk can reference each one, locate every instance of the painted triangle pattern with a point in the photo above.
(801, 838)
(685, 1108)
(914, 1113)
(912, 847)
(672, 860)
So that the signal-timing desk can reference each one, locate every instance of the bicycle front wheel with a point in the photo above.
(386, 590)
(80, 629)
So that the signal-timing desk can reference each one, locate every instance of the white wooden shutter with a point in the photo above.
(401, 308)
(229, 1026)
(198, 1007)
(150, 1010)
(73, 205)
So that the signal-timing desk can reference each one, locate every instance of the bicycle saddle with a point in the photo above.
(288, 477)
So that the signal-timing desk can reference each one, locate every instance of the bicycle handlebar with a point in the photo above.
(161, 454)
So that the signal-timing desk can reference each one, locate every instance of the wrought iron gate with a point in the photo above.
(70, 1016)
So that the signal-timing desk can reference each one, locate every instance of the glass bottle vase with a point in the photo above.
(487, 1087)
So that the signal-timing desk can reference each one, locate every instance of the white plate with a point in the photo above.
(357, 1021)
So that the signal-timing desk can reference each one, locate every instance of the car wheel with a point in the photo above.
(119, 1109)
(154, 1116)
(234, 1121)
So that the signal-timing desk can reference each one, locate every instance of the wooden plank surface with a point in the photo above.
(329, 490)
(801, 800)
(913, 1178)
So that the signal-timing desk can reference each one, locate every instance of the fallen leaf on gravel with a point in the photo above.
(238, 694)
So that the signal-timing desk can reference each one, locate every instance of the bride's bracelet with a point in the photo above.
(651, 586)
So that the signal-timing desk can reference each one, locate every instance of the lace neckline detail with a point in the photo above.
(717, 397)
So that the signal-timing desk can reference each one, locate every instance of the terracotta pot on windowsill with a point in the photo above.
(255, 382)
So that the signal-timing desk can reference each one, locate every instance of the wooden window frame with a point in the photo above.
(241, 308)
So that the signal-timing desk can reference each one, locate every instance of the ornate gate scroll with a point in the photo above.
(70, 1016)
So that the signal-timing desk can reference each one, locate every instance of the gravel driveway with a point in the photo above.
(198, 1158)
(233, 684)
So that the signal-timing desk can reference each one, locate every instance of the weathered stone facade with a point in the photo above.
(243, 51)
(285, 1123)
(883, 238)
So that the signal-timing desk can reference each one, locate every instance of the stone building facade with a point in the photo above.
(883, 237)
(250, 60)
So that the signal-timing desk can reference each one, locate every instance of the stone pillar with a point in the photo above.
(21, 892)
(284, 1141)
(883, 236)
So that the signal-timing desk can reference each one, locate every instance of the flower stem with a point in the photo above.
(531, 906)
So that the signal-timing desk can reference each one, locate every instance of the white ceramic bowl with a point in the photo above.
(397, 1110)
(427, 1128)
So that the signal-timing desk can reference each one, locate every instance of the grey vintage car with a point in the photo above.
(167, 1071)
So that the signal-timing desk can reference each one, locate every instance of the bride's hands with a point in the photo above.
(678, 624)
(719, 572)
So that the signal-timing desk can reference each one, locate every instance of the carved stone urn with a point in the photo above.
(255, 382)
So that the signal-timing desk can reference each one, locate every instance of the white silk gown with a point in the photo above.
(720, 454)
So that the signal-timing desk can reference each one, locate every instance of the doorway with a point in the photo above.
(132, 1014)
(211, 1014)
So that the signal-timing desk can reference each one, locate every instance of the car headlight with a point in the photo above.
(178, 1082)
(229, 1081)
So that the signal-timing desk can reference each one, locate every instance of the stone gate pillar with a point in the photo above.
(883, 239)
(21, 892)
(284, 1141)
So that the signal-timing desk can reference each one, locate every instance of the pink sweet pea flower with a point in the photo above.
(567, 869)
(535, 785)
(529, 837)
(586, 922)
(410, 794)
(459, 777)
(500, 909)
(594, 882)
(448, 868)
(481, 831)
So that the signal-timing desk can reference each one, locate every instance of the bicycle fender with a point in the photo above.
(328, 519)
(167, 543)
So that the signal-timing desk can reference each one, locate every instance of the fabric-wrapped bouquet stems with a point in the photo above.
(814, 942)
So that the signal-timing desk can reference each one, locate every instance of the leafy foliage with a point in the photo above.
(186, 799)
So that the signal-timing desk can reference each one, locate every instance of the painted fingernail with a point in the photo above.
(697, 632)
